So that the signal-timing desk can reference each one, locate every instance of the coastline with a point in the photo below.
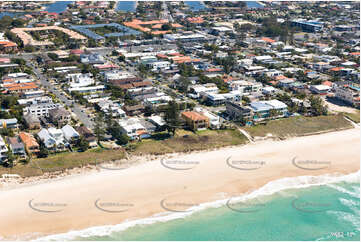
(267, 190)
(137, 185)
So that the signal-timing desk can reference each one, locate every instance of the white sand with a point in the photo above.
(145, 185)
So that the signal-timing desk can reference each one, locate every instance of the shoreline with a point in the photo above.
(135, 160)
(137, 185)
(266, 190)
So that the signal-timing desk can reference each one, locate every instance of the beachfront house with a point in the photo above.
(31, 146)
(256, 111)
(133, 128)
(88, 136)
(53, 139)
(16, 146)
(236, 111)
(268, 109)
(70, 134)
(3, 150)
(195, 120)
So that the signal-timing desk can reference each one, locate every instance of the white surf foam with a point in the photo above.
(268, 189)
(343, 190)
(347, 217)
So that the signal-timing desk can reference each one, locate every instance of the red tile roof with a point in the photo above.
(194, 116)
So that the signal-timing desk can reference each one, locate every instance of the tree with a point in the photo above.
(8, 102)
(10, 158)
(53, 56)
(148, 110)
(29, 48)
(183, 84)
(166, 27)
(317, 107)
(246, 99)
(7, 132)
(115, 130)
(99, 128)
(123, 139)
(43, 152)
(172, 116)
(273, 113)
(83, 144)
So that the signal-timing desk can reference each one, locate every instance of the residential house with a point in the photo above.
(213, 99)
(31, 146)
(32, 121)
(236, 111)
(41, 109)
(112, 108)
(88, 135)
(3, 150)
(320, 89)
(16, 146)
(11, 123)
(92, 59)
(59, 116)
(80, 80)
(8, 46)
(133, 110)
(89, 89)
(262, 109)
(70, 134)
(133, 128)
(195, 120)
(214, 120)
(348, 95)
(196, 90)
(158, 121)
(245, 86)
(52, 138)
(21, 87)
(269, 90)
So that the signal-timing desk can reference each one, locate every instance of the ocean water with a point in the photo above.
(296, 209)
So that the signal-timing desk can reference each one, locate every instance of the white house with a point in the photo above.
(159, 65)
(320, 89)
(3, 149)
(70, 133)
(41, 109)
(89, 89)
(269, 90)
(214, 120)
(80, 80)
(52, 138)
(207, 88)
(133, 128)
(245, 86)
(347, 95)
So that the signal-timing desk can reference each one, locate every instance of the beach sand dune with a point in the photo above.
(84, 201)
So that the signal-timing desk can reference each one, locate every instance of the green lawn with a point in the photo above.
(353, 116)
(185, 141)
(295, 126)
(61, 161)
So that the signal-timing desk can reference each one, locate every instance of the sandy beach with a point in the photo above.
(113, 196)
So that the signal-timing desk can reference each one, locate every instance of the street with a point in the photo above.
(76, 108)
